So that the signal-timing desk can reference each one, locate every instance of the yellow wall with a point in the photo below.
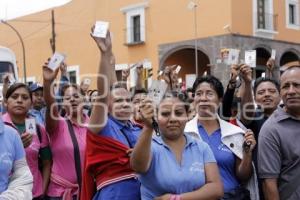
(242, 17)
(285, 33)
(242, 20)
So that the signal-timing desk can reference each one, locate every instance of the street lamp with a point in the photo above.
(193, 6)
(22, 43)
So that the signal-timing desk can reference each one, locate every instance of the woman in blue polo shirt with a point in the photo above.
(15, 177)
(175, 165)
(227, 141)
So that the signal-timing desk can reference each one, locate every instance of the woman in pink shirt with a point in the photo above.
(38, 155)
(67, 138)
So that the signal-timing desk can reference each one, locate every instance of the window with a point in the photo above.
(136, 28)
(265, 16)
(135, 23)
(261, 14)
(292, 14)
(73, 74)
(264, 19)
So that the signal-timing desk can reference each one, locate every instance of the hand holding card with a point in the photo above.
(30, 125)
(100, 29)
(56, 60)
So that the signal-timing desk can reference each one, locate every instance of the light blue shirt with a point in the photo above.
(166, 175)
(225, 158)
(11, 150)
(39, 115)
(127, 134)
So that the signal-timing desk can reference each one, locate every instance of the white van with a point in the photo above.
(7, 65)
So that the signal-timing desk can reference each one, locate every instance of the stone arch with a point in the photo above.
(289, 55)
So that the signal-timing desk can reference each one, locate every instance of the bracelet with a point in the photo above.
(175, 197)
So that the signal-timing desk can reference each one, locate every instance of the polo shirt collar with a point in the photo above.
(121, 124)
(280, 114)
(189, 140)
(6, 118)
(227, 129)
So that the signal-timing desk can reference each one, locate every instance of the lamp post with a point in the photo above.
(23, 47)
(193, 5)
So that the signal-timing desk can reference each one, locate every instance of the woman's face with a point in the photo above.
(206, 100)
(94, 96)
(19, 102)
(172, 117)
(72, 101)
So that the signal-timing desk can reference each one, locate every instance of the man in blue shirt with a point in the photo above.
(115, 125)
(38, 109)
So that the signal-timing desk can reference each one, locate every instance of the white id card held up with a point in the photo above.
(250, 58)
(157, 91)
(101, 29)
(233, 57)
(30, 125)
(56, 60)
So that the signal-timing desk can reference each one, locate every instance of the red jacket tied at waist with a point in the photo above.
(107, 161)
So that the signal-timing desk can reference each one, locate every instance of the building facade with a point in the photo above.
(162, 33)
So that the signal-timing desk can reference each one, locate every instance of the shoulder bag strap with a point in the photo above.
(76, 153)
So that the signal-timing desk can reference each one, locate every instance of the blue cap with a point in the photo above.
(35, 86)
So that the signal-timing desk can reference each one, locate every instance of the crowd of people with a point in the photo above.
(114, 142)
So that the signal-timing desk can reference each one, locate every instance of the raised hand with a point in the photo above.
(168, 72)
(270, 64)
(125, 74)
(104, 44)
(146, 110)
(48, 74)
(246, 73)
(63, 69)
(234, 71)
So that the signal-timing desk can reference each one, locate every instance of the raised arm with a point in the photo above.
(113, 75)
(270, 69)
(99, 112)
(247, 101)
(141, 157)
(225, 111)
(139, 71)
(52, 113)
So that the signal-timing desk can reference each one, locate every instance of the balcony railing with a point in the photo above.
(266, 21)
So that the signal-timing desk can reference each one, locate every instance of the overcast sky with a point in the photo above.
(11, 9)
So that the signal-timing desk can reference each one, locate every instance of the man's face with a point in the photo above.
(120, 105)
(290, 90)
(136, 101)
(267, 96)
(38, 99)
